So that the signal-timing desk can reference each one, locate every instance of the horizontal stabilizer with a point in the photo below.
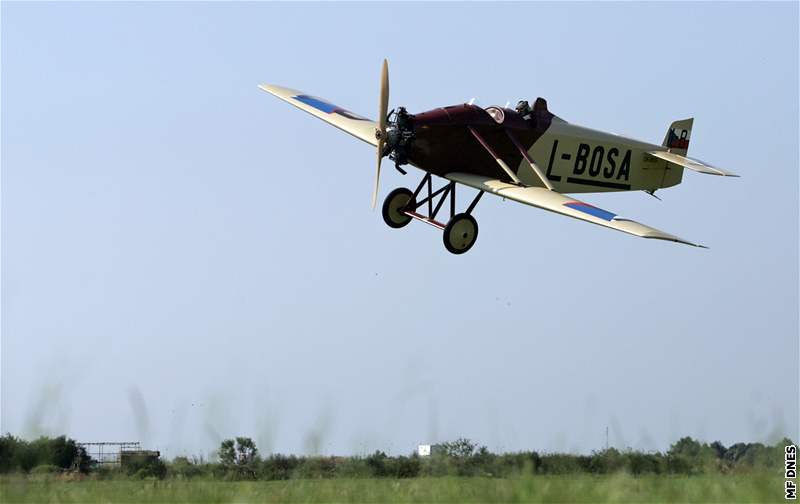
(691, 164)
(553, 201)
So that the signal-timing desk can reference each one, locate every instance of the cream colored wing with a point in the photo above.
(556, 202)
(691, 163)
(360, 127)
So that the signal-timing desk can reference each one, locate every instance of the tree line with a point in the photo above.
(42, 455)
(239, 459)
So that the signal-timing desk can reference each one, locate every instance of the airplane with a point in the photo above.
(527, 154)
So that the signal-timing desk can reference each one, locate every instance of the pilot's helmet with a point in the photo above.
(523, 107)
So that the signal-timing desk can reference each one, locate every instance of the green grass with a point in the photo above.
(579, 488)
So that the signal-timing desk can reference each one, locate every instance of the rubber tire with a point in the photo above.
(460, 244)
(391, 215)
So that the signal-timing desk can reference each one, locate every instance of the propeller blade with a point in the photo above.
(380, 133)
(377, 175)
(384, 103)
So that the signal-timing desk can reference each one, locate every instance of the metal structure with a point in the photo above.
(110, 453)
(410, 209)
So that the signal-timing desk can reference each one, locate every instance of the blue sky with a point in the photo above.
(171, 233)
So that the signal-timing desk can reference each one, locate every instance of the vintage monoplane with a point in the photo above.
(526, 154)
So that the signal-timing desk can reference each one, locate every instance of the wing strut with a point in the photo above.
(527, 158)
(491, 151)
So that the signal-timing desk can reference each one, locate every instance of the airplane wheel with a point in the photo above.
(393, 206)
(460, 233)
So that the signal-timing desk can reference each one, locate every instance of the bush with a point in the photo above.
(605, 462)
(182, 467)
(435, 466)
(514, 464)
(104, 472)
(146, 467)
(353, 467)
(46, 469)
(408, 467)
(459, 448)
(644, 463)
(278, 467)
(688, 456)
(559, 463)
(378, 464)
(20, 455)
(678, 464)
(317, 467)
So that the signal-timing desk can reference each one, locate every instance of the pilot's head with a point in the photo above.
(523, 107)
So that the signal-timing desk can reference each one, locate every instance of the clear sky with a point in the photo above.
(187, 258)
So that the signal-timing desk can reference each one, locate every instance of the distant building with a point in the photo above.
(128, 457)
(426, 450)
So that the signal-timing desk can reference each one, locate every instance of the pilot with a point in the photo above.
(524, 109)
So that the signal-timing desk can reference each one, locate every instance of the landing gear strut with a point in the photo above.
(460, 232)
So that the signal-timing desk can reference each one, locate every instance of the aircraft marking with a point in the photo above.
(549, 173)
(317, 103)
(597, 163)
(591, 210)
(678, 142)
(327, 107)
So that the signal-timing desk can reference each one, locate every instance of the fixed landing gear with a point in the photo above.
(460, 232)
(393, 205)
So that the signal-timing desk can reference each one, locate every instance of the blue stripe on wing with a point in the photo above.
(327, 107)
(317, 103)
(591, 210)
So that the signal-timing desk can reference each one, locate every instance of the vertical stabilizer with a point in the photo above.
(678, 134)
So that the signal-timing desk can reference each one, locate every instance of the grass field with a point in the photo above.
(616, 488)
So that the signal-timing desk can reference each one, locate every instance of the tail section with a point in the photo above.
(677, 138)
